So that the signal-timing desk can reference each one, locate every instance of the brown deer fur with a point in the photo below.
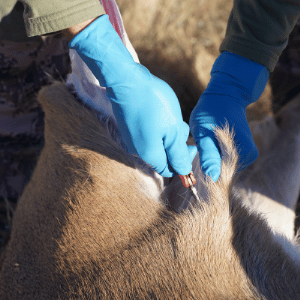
(86, 227)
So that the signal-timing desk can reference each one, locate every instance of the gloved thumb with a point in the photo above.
(210, 158)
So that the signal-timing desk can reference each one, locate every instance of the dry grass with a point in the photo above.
(176, 27)
(178, 41)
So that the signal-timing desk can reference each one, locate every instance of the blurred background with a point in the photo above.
(178, 41)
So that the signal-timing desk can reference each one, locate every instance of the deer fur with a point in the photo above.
(278, 140)
(88, 227)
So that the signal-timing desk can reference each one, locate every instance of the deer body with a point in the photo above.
(87, 226)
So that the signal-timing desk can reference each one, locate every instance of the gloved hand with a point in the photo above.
(146, 108)
(235, 83)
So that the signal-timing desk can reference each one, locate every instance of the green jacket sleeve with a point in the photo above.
(6, 7)
(47, 16)
(259, 29)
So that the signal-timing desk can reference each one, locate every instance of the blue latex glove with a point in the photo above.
(235, 83)
(146, 108)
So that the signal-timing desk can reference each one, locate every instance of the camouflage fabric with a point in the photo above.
(285, 80)
(25, 66)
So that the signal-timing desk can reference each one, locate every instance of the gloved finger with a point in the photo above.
(210, 158)
(177, 150)
(192, 151)
(169, 170)
(155, 155)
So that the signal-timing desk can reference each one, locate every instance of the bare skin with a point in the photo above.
(70, 32)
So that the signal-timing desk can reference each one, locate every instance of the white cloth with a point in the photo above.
(83, 81)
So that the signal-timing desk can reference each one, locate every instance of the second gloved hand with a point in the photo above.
(146, 108)
(235, 83)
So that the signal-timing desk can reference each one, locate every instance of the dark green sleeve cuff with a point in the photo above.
(255, 52)
(6, 7)
(42, 17)
(259, 29)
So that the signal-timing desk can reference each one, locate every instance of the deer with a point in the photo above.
(95, 223)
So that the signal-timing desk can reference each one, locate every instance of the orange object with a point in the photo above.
(188, 180)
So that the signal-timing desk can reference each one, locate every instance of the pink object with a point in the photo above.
(112, 10)
(82, 79)
(114, 15)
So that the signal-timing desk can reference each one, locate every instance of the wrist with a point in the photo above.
(95, 39)
(238, 77)
(72, 31)
(103, 51)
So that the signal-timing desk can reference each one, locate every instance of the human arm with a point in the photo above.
(161, 143)
(146, 108)
(44, 16)
(259, 29)
(253, 44)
